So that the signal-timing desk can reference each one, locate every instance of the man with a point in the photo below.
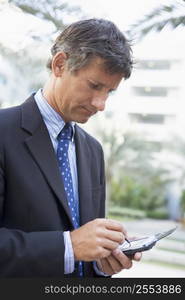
(52, 188)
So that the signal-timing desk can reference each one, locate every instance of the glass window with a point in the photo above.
(151, 91)
(154, 64)
(147, 118)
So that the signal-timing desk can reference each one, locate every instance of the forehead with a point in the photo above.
(97, 72)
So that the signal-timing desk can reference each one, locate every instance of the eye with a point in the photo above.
(94, 86)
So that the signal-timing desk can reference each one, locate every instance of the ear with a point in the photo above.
(58, 63)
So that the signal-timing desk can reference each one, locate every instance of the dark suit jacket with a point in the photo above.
(33, 205)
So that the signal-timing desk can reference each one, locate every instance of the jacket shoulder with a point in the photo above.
(11, 115)
(7, 115)
(90, 139)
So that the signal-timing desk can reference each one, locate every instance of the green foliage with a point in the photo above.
(123, 212)
(160, 214)
(175, 148)
(183, 203)
(129, 192)
(135, 179)
(126, 212)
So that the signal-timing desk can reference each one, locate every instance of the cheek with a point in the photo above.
(75, 92)
(83, 95)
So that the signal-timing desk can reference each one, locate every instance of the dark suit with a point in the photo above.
(33, 205)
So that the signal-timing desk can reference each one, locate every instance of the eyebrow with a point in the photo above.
(101, 84)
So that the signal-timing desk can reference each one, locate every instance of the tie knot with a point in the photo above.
(66, 132)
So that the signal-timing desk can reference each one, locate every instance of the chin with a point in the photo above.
(82, 120)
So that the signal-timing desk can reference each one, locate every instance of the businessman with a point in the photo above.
(52, 181)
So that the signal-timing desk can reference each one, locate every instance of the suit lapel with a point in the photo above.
(41, 148)
(84, 176)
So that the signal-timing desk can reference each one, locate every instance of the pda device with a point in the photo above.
(130, 247)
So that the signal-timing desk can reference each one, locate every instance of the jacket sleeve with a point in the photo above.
(34, 254)
(28, 254)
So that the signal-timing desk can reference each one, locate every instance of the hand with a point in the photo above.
(97, 239)
(116, 262)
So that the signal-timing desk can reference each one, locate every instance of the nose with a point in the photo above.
(99, 102)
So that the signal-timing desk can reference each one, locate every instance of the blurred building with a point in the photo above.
(152, 103)
(156, 96)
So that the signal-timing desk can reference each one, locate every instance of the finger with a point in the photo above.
(106, 267)
(115, 236)
(115, 264)
(104, 253)
(125, 261)
(114, 225)
(108, 244)
(137, 256)
(101, 253)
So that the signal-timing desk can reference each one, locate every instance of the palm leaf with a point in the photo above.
(172, 15)
(48, 10)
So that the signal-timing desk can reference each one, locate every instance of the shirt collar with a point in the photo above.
(54, 121)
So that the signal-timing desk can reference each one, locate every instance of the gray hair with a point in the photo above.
(84, 40)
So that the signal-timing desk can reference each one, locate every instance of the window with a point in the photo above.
(151, 91)
(154, 64)
(147, 118)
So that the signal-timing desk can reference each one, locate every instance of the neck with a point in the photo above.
(47, 92)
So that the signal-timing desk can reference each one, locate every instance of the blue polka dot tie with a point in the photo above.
(64, 138)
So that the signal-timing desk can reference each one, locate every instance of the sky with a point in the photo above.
(122, 12)
(15, 27)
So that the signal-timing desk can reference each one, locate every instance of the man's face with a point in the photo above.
(76, 96)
